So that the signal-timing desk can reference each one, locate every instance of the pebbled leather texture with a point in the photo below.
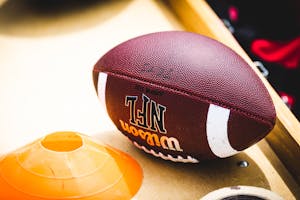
(195, 65)
(188, 72)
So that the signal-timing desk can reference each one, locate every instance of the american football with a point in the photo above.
(183, 97)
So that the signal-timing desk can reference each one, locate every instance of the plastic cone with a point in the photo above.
(68, 165)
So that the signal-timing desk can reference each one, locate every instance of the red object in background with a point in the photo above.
(272, 38)
(289, 100)
(284, 53)
(233, 13)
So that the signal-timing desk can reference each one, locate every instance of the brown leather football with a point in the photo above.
(183, 97)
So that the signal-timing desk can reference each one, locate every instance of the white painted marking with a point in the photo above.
(102, 79)
(216, 128)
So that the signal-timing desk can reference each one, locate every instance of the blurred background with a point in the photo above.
(48, 49)
(269, 31)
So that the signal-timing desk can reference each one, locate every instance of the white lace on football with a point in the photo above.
(189, 159)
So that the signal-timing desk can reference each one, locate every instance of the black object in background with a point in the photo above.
(276, 21)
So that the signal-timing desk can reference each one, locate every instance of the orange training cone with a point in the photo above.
(68, 165)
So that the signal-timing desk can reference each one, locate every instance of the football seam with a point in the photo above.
(205, 99)
(178, 158)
